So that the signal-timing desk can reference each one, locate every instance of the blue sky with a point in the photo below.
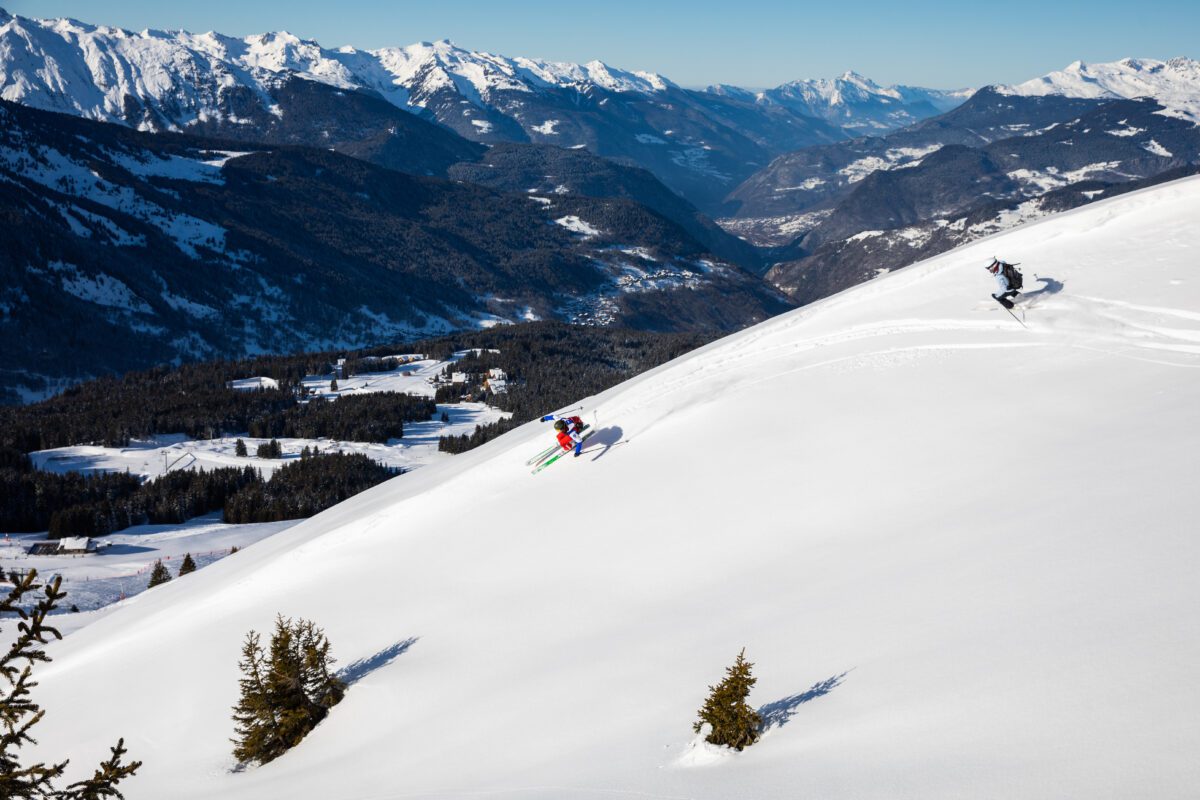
(745, 42)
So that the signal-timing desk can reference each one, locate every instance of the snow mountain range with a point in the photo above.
(701, 144)
(1174, 83)
(964, 566)
(854, 102)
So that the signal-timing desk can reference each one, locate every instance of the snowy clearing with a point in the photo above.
(1157, 149)
(253, 384)
(121, 569)
(577, 225)
(173, 452)
(170, 452)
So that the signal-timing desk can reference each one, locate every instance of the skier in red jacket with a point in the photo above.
(569, 431)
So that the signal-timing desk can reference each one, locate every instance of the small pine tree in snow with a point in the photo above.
(158, 575)
(18, 713)
(187, 566)
(333, 385)
(734, 723)
(239, 448)
(271, 449)
(286, 689)
(233, 549)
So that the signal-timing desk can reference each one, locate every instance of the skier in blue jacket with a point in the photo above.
(570, 432)
(1007, 290)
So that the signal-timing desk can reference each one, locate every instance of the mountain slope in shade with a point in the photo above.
(942, 538)
(813, 177)
(555, 171)
(159, 247)
(1174, 83)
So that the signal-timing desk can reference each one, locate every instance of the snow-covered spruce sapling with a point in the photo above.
(733, 722)
(158, 575)
(239, 448)
(18, 713)
(187, 566)
(286, 690)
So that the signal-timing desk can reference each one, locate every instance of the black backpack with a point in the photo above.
(1012, 275)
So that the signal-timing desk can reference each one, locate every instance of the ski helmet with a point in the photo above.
(560, 425)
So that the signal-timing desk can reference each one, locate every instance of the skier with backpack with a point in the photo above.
(1009, 279)
(569, 432)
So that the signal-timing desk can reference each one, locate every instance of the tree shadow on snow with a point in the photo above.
(1049, 286)
(360, 669)
(780, 712)
(604, 440)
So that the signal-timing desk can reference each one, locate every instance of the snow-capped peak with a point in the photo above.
(1174, 83)
(855, 101)
(853, 78)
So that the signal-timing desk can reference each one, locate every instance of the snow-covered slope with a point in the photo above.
(961, 552)
(1174, 83)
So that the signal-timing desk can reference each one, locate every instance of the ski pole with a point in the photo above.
(567, 410)
(1014, 316)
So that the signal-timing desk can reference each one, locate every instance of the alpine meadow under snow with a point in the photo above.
(960, 552)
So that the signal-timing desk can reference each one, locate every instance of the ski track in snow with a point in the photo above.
(1127, 335)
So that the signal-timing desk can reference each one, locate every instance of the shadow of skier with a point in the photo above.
(605, 439)
(1049, 286)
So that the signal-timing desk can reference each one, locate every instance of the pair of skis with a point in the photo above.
(549, 451)
(553, 453)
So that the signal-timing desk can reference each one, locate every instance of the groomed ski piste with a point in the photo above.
(962, 555)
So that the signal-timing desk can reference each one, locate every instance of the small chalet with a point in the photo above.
(496, 381)
(67, 546)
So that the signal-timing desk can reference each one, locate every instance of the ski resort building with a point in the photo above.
(496, 381)
(67, 546)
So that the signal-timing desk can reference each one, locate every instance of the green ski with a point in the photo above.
(548, 451)
(544, 454)
(552, 459)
